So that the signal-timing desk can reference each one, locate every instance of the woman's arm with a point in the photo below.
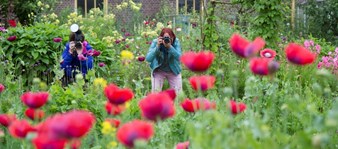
(153, 51)
(175, 50)
(67, 57)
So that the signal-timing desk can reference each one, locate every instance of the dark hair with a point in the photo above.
(72, 36)
(170, 32)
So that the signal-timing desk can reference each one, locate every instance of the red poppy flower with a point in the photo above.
(34, 114)
(20, 128)
(197, 104)
(202, 83)
(134, 130)
(299, 55)
(74, 124)
(12, 23)
(113, 122)
(183, 145)
(114, 109)
(245, 48)
(197, 62)
(171, 92)
(263, 66)
(157, 106)
(7, 119)
(34, 100)
(2, 88)
(268, 53)
(11, 38)
(45, 142)
(118, 96)
(237, 108)
(57, 39)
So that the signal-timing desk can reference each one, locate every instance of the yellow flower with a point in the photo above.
(100, 82)
(47, 6)
(112, 144)
(127, 104)
(107, 128)
(127, 55)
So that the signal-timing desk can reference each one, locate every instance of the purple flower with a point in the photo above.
(141, 58)
(127, 46)
(117, 41)
(194, 24)
(57, 39)
(2, 29)
(102, 64)
(11, 38)
(127, 34)
(81, 57)
(94, 53)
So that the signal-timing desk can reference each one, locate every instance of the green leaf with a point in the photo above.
(45, 60)
(35, 55)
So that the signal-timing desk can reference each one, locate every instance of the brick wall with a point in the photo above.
(64, 4)
(149, 7)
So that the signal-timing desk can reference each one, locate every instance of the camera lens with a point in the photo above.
(167, 39)
(78, 45)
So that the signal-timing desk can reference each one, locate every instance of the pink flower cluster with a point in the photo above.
(330, 62)
(310, 45)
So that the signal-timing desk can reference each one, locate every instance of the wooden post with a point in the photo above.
(94, 3)
(105, 7)
(201, 19)
(186, 6)
(193, 6)
(75, 6)
(177, 9)
(86, 8)
(293, 8)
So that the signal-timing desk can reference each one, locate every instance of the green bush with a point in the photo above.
(33, 53)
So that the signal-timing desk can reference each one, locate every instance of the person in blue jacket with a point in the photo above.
(75, 57)
(164, 58)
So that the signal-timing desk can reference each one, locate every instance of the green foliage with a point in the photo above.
(33, 53)
(18, 8)
(266, 19)
(321, 19)
(209, 30)
(164, 11)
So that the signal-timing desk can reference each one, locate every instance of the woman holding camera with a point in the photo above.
(164, 58)
(74, 57)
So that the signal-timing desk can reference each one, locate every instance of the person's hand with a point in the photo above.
(159, 41)
(79, 51)
(71, 47)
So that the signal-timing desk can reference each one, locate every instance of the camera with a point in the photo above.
(166, 40)
(78, 39)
